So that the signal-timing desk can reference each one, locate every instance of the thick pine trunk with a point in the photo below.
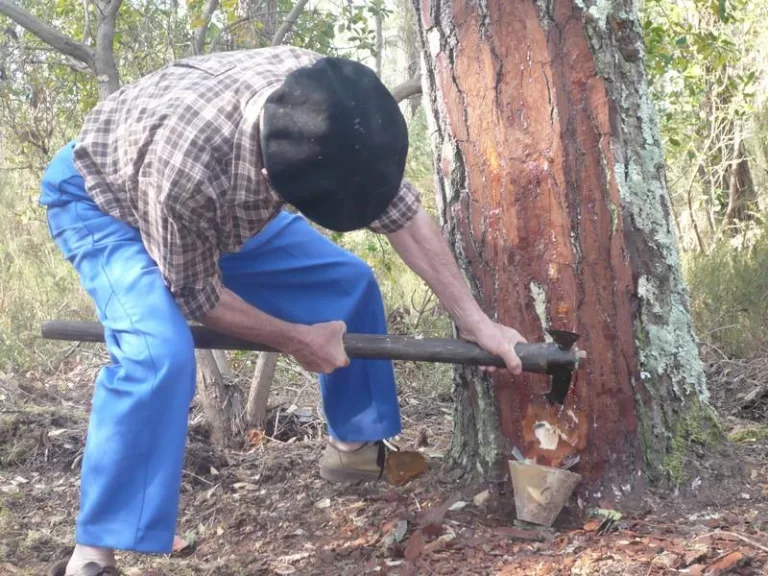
(551, 185)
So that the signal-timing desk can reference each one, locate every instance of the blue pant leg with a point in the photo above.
(134, 452)
(292, 272)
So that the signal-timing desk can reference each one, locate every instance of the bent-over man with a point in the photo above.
(170, 206)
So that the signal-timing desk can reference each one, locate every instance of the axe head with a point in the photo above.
(561, 375)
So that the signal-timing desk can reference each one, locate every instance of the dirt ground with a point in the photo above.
(263, 510)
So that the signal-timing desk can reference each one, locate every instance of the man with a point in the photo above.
(169, 207)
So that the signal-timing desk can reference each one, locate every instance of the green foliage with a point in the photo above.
(36, 282)
(729, 288)
(704, 68)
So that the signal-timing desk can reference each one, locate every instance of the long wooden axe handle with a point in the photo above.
(541, 358)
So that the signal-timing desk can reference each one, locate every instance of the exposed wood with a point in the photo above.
(550, 184)
(258, 395)
(213, 395)
(290, 20)
(535, 357)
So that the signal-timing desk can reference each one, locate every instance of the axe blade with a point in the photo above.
(563, 338)
(561, 385)
(561, 376)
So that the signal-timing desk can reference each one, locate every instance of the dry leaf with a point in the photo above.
(698, 553)
(179, 543)
(520, 534)
(415, 546)
(668, 560)
(481, 498)
(726, 563)
(436, 514)
(324, 503)
(592, 525)
(256, 437)
(399, 532)
(403, 466)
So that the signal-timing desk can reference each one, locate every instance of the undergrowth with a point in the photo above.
(36, 282)
(729, 295)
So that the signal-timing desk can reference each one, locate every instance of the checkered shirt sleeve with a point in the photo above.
(400, 211)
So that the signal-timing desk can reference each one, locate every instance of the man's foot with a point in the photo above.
(365, 463)
(87, 569)
(86, 561)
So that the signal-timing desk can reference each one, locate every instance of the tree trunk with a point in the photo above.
(214, 397)
(258, 395)
(105, 67)
(550, 181)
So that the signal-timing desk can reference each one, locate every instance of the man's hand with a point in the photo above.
(499, 340)
(423, 249)
(320, 347)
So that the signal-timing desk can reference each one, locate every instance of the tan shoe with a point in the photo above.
(364, 464)
(90, 569)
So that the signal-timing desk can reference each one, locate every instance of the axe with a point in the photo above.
(558, 358)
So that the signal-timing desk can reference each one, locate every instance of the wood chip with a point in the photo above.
(725, 564)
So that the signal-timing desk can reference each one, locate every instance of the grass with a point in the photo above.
(729, 289)
(37, 283)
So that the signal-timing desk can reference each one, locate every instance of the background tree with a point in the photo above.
(552, 190)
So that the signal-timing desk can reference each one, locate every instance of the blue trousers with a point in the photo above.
(134, 452)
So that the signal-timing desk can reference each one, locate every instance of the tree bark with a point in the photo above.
(214, 397)
(100, 61)
(198, 40)
(290, 20)
(407, 89)
(105, 67)
(550, 183)
(258, 396)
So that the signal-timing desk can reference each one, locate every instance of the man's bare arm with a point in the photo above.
(423, 248)
(318, 348)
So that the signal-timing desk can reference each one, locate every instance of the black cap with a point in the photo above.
(334, 143)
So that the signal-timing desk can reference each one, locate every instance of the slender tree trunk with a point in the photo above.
(258, 396)
(379, 21)
(105, 67)
(214, 397)
(552, 192)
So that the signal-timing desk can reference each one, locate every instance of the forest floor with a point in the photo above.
(264, 510)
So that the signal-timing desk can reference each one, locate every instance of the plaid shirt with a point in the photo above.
(176, 155)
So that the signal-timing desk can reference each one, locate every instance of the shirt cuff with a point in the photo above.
(195, 302)
(400, 211)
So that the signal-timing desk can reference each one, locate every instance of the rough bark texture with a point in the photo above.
(214, 396)
(100, 61)
(550, 181)
(258, 395)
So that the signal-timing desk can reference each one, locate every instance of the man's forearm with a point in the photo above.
(234, 316)
(423, 248)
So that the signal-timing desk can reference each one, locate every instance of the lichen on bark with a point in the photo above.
(672, 374)
(551, 186)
